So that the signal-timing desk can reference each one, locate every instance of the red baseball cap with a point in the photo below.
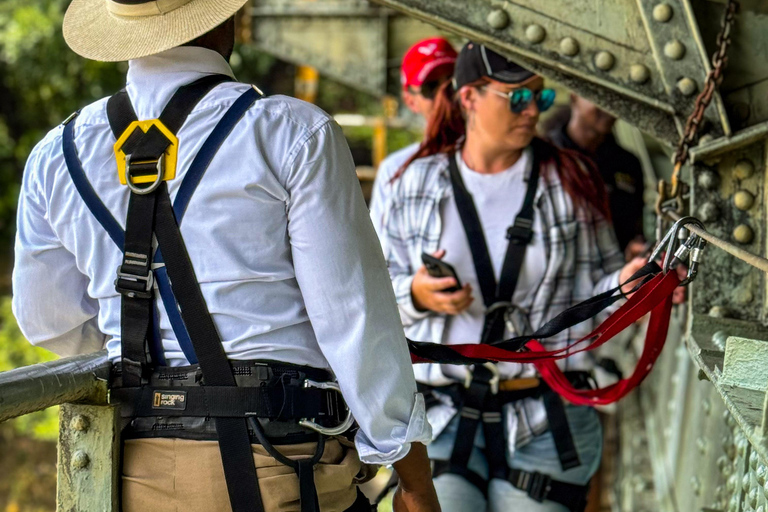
(423, 58)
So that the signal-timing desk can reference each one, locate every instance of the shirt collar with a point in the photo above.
(182, 61)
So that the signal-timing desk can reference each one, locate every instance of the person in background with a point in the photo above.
(588, 130)
(482, 191)
(426, 65)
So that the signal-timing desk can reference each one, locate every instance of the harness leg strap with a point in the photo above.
(561, 432)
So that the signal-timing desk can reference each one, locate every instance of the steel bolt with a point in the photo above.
(752, 497)
(707, 180)
(639, 73)
(706, 406)
(709, 212)
(498, 19)
(743, 200)
(719, 339)
(743, 234)
(746, 482)
(80, 460)
(535, 33)
(730, 484)
(753, 459)
(674, 50)
(662, 13)
(604, 60)
(718, 312)
(743, 169)
(742, 295)
(569, 46)
(79, 423)
(686, 86)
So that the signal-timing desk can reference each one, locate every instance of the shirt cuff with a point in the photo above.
(398, 445)
(408, 312)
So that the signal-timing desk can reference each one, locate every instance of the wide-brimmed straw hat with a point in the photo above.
(117, 30)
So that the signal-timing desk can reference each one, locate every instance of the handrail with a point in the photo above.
(72, 379)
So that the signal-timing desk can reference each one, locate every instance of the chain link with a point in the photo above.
(694, 122)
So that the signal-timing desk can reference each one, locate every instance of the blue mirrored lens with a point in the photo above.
(520, 99)
(545, 99)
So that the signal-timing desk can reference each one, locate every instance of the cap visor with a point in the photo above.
(512, 77)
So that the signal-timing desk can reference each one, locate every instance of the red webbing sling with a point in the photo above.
(655, 296)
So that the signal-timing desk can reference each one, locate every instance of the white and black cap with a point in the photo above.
(476, 61)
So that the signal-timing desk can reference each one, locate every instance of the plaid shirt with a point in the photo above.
(583, 260)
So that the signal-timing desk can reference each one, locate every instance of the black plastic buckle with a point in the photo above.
(133, 285)
(536, 484)
(520, 232)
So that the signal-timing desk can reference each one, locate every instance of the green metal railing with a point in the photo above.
(88, 457)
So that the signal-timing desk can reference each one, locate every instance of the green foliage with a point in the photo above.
(41, 83)
(16, 351)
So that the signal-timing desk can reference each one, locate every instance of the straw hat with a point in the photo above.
(117, 30)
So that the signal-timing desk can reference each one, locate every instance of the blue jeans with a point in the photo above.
(456, 494)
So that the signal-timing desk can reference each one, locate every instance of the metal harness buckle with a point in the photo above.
(493, 382)
(328, 431)
(133, 285)
(536, 484)
(159, 166)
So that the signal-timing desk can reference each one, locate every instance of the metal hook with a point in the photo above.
(670, 238)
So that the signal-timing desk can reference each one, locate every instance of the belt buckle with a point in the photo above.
(493, 382)
(536, 484)
(328, 431)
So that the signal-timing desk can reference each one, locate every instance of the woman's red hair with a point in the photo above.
(447, 127)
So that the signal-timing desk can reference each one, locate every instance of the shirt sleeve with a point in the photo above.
(398, 262)
(380, 197)
(341, 272)
(50, 299)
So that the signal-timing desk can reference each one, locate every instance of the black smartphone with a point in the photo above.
(438, 268)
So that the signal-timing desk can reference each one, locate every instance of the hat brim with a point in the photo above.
(512, 77)
(93, 32)
(432, 67)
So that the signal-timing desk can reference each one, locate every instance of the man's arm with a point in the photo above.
(50, 299)
(348, 296)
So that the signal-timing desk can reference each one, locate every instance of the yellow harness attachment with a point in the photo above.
(167, 163)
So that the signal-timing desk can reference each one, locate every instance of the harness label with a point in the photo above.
(169, 400)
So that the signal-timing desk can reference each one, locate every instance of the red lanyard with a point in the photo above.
(655, 297)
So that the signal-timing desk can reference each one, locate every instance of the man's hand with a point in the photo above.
(415, 491)
(427, 294)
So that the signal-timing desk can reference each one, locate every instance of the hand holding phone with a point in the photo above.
(438, 268)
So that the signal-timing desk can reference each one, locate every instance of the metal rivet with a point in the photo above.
(686, 86)
(498, 19)
(696, 485)
(604, 60)
(707, 180)
(706, 405)
(743, 200)
(662, 13)
(708, 211)
(80, 459)
(743, 169)
(752, 497)
(79, 423)
(639, 73)
(742, 295)
(730, 485)
(535, 33)
(569, 46)
(743, 234)
(746, 482)
(765, 490)
(701, 444)
(674, 50)
(705, 139)
(753, 459)
(762, 473)
(718, 312)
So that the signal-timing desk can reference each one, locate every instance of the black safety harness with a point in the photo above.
(479, 399)
(238, 398)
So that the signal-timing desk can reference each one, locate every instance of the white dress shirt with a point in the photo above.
(277, 231)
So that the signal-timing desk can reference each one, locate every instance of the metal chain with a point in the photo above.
(693, 124)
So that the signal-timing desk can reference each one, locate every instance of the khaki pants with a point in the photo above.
(181, 475)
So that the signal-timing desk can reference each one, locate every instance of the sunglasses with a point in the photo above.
(429, 89)
(519, 99)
